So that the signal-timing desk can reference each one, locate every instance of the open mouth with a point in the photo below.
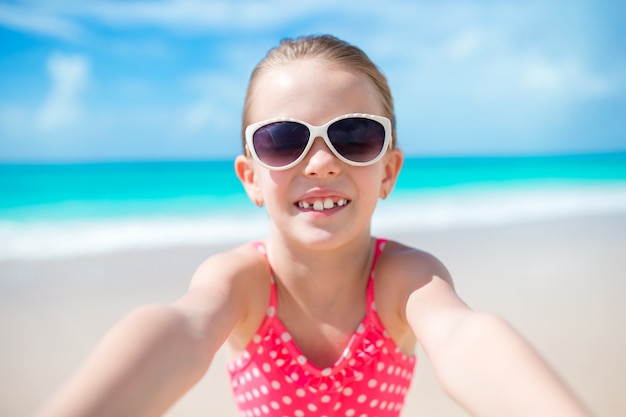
(322, 204)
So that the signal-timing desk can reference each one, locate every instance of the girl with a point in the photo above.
(320, 318)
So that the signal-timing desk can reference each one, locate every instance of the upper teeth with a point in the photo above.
(320, 205)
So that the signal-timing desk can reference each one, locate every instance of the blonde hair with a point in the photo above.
(329, 48)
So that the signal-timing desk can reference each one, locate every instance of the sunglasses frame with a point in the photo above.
(314, 133)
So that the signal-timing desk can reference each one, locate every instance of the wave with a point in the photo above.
(468, 206)
(404, 213)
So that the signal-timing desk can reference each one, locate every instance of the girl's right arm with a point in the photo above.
(484, 364)
(158, 352)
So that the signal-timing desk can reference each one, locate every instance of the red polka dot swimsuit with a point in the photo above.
(273, 378)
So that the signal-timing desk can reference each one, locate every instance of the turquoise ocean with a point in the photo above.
(62, 210)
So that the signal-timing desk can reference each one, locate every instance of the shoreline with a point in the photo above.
(42, 235)
(559, 282)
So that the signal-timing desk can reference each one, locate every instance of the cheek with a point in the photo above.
(274, 187)
(371, 180)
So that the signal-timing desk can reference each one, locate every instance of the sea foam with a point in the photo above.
(403, 213)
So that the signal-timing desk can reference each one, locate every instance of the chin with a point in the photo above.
(321, 239)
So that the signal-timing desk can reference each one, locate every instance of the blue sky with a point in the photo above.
(165, 80)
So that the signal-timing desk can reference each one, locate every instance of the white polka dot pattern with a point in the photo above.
(273, 378)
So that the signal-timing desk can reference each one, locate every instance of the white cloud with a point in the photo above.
(563, 78)
(39, 21)
(203, 114)
(465, 45)
(214, 103)
(196, 15)
(190, 15)
(69, 74)
(491, 54)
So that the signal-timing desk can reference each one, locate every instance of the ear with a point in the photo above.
(244, 168)
(392, 164)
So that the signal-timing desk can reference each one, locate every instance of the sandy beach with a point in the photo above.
(561, 283)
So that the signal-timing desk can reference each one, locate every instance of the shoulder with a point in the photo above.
(409, 268)
(228, 281)
(223, 291)
(230, 267)
(237, 284)
(417, 288)
(238, 274)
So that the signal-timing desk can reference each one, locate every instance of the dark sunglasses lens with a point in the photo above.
(279, 144)
(357, 139)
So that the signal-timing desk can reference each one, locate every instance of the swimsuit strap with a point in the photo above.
(370, 299)
(260, 246)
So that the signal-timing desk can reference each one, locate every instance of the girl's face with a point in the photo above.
(316, 91)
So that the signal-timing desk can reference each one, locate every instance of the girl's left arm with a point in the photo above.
(480, 360)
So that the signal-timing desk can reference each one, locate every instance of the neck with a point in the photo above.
(324, 274)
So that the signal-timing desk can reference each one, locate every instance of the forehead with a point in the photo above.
(313, 90)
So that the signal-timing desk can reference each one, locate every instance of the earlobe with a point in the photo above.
(245, 170)
(393, 164)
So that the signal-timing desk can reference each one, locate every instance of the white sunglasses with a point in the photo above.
(357, 139)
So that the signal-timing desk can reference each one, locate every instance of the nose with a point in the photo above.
(321, 161)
